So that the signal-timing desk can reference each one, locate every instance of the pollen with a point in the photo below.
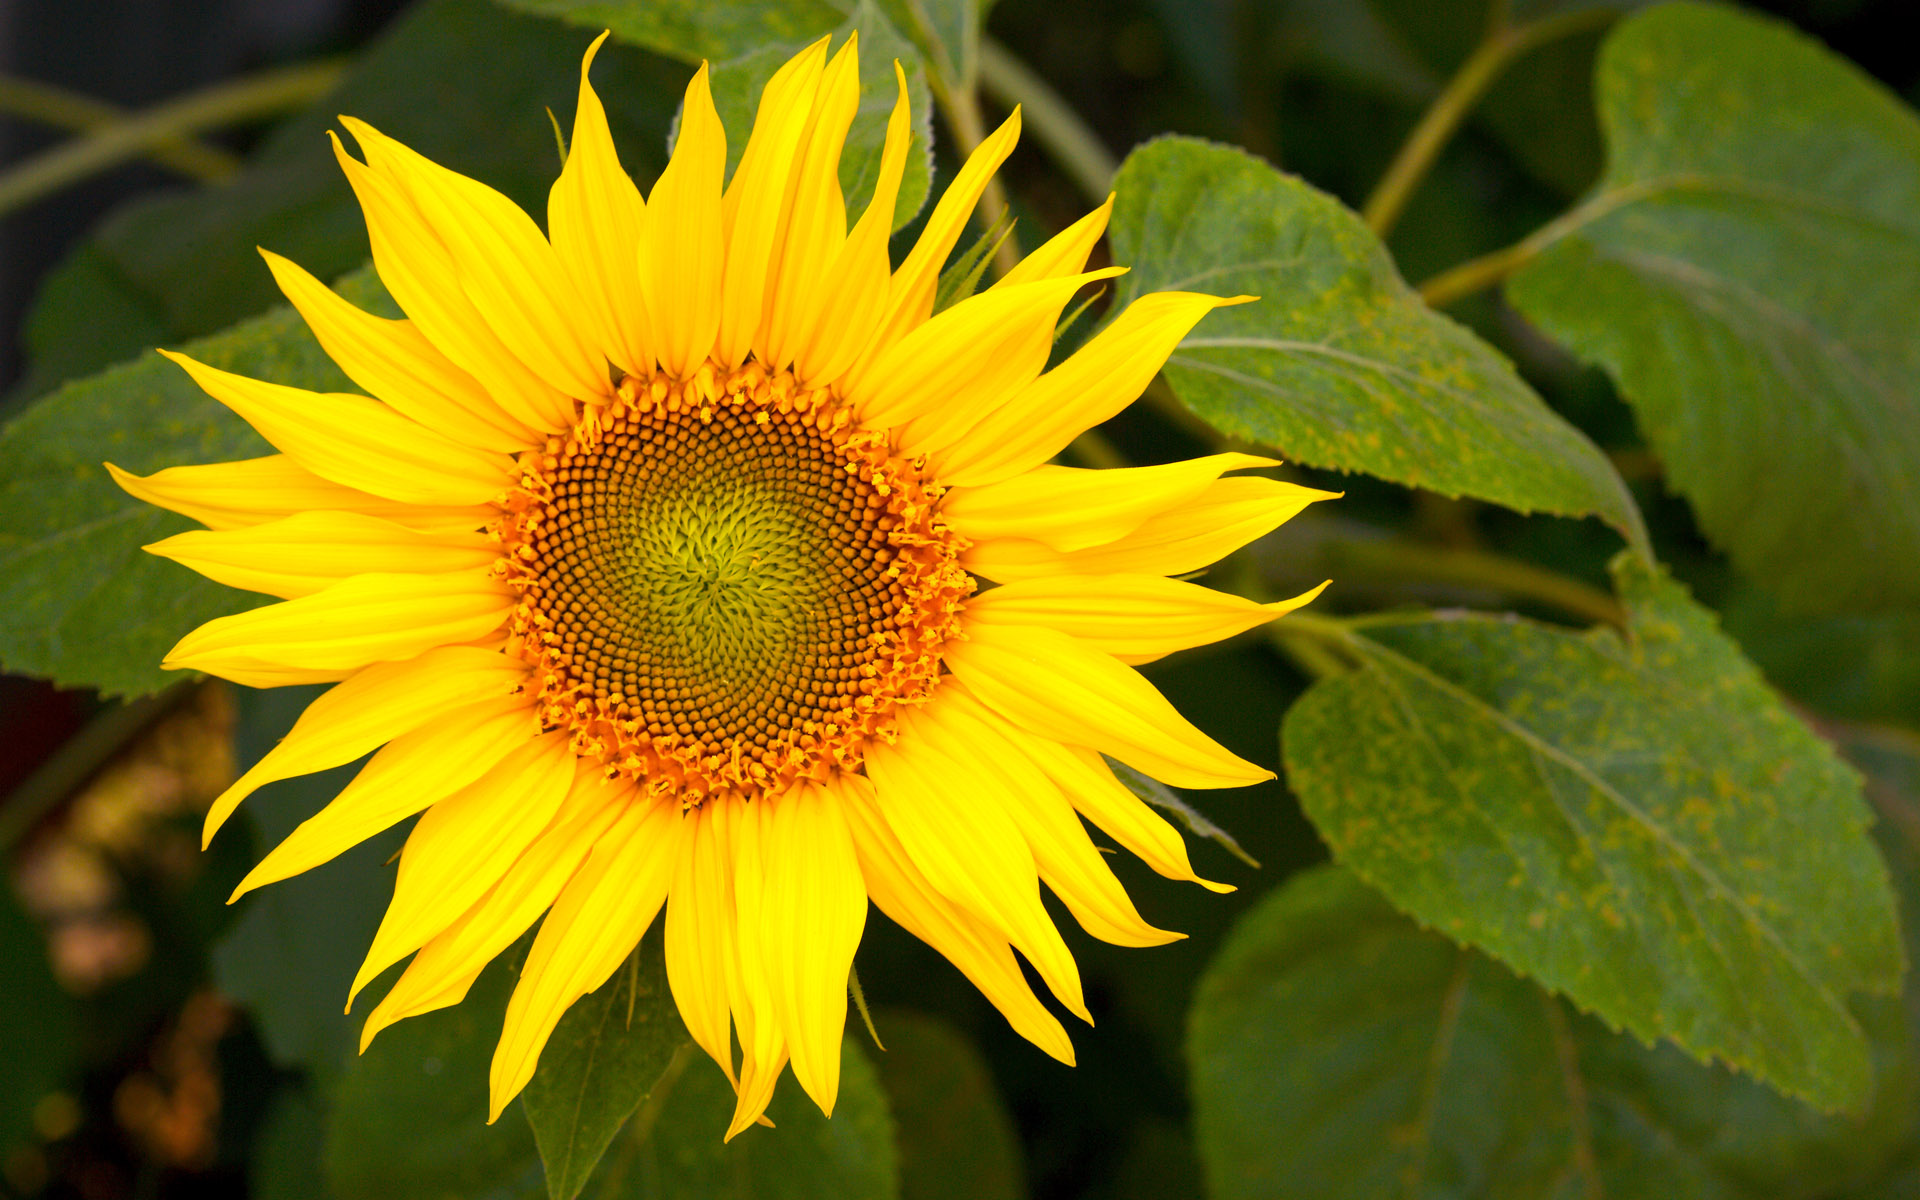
(725, 585)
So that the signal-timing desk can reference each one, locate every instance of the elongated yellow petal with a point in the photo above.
(682, 244)
(310, 551)
(969, 734)
(757, 1078)
(814, 908)
(462, 845)
(594, 213)
(595, 923)
(1226, 516)
(1135, 618)
(1065, 253)
(419, 273)
(970, 356)
(1066, 508)
(396, 363)
(973, 853)
(816, 225)
(371, 708)
(1054, 686)
(759, 197)
(448, 964)
(501, 261)
(1089, 783)
(411, 772)
(902, 891)
(761, 1037)
(911, 292)
(855, 286)
(702, 939)
(358, 442)
(1097, 381)
(235, 495)
(358, 621)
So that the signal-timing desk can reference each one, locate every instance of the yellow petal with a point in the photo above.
(594, 213)
(409, 773)
(234, 495)
(682, 244)
(701, 933)
(761, 1037)
(853, 290)
(419, 273)
(595, 923)
(464, 843)
(1135, 618)
(1097, 381)
(358, 442)
(358, 621)
(395, 362)
(757, 1077)
(902, 891)
(1089, 783)
(501, 261)
(1226, 516)
(973, 853)
(816, 225)
(970, 357)
(999, 774)
(911, 291)
(814, 908)
(1065, 253)
(1066, 508)
(448, 964)
(310, 551)
(1051, 685)
(759, 197)
(371, 708)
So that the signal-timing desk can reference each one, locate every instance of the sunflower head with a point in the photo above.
(649, 565)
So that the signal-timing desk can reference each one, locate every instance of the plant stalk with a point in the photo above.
(1073, 145)
(76, 113)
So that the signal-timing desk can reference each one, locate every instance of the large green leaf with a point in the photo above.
(1338, 364)
(1749, 273)
(1341, 1052)
(736, 95)
(465, 82)
(79, 601)
(607, 1053)
(671, 1150)
(1638, 823)
(956, 1140)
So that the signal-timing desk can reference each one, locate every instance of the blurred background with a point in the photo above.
(126, 1072)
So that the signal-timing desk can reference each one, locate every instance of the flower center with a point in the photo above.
(726, 585)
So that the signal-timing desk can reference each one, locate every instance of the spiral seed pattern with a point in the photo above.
(726, 584)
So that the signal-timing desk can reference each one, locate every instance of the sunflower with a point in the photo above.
(682, 557)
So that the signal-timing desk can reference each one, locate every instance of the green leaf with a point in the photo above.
(956, 1140)
(464, 82)
(36, 1021)
(607, 1053)
(1341, 1052)
(79, 601)
(947, 32)
(737, 85)
(1339, 364)
(697, 29)
(1639, 824)
(1860, 667)
(409, 1117)
(296, 948)
(1749, 274)
(672, 1149)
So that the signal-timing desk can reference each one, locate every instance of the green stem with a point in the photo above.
(1474, 568)
(83, 114)
(1075, 147)
(960, 104)
(79, 758)
(1503, 44)
(137, 135)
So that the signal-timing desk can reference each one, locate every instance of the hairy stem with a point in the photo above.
(1074, 147)
(1475, 568)
(1503, 44)
(137, 135)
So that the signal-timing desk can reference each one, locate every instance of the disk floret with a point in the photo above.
(725, 584)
